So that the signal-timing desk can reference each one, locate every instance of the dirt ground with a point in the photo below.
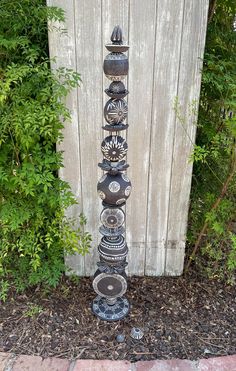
(186, 317)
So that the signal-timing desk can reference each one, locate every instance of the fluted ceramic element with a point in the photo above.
(115, 111)
(113, 167)
(117, 36)
(114, 148)
(114, 189)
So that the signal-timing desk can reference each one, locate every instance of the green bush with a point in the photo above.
(213, 195)
(34, 232)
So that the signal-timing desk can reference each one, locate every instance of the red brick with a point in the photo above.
(4, 358)
(166, 365)
(227, 363)
(102, 365)
(30, 363)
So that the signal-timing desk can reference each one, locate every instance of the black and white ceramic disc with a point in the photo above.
(112, 217)
(114, 148)
(115, 111)
(110, 312)
(110, 285)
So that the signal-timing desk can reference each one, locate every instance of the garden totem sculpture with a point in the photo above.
(110, 281)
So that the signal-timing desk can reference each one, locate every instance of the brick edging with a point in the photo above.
(13, 362)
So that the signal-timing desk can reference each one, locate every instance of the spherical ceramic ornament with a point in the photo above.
(113, 249)
(117, 87)
(114, 189)
(115, 111)
(116, 66)
(112, 217)
(120, 338)
(116, 90)
(114, 148)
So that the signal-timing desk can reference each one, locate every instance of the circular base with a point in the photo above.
(110, 312)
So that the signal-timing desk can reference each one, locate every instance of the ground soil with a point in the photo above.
(181, 318)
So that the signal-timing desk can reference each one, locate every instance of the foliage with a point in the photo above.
(34, 232)
(33, 310)
(213, 192)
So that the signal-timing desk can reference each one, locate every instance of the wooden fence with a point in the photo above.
(166, 39)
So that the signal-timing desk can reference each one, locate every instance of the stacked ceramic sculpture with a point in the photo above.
(110, 282)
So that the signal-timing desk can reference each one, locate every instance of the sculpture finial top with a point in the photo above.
(116, 36)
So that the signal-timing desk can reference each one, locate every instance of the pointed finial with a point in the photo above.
(116, 36)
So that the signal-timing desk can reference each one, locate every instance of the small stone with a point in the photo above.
(120, 338)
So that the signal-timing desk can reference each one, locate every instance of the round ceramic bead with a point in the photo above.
(116, 90)
(117, 87)
(114, 148)
(116, 66)
(113, 249)
(120, 338)
(115, 111)
(114, 189)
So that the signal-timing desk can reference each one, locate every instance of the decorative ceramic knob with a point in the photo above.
(117, 45)
(116, 36)
(114, 148)
(114, 189)
(115, 111)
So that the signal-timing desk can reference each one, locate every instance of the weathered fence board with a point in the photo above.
(166, 40)
(184, 133)
(141, 64)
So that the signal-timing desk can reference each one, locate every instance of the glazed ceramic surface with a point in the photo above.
(114, 189)
(115, 111)
(114, 148)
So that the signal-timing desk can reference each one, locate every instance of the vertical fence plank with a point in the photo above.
(192, 48)
(89, 64)
(62, 46)
(165, 78)
(141, 56)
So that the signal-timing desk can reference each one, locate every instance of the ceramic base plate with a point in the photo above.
(110, 312)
